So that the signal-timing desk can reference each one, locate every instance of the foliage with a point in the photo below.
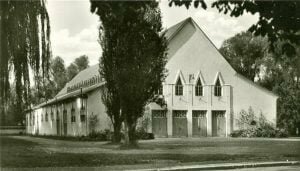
(93, 122)
(142, 134)
(282, 76)
(288, 105)
(133, 43)
(72, 71)
(244, 52)
(276, 71)
(251, 126)
(82, 62)
(25, 45)
(59, 73)
(111, 100)
(279, 20)
(78, 65)
(99, 136)
(247, 119)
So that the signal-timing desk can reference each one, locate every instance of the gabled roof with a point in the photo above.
(171, 32)
(85, 74)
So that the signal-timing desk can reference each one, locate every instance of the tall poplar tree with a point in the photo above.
(134, 56)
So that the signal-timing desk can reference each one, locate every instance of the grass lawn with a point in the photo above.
(23, 151)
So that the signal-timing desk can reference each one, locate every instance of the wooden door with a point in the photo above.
(159, 123)
(199, 123)
(218, 123)
(65, 123)
(179, 123)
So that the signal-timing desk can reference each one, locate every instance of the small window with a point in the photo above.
(82, 114)
(159, 114)
(199, 113)
(52, 116)
(57, 115)
(179, 88)
(73, 117)
(179, 113)
(218, 88)
(42, 118)
(199, 88)
(46, 117)
(82, 118)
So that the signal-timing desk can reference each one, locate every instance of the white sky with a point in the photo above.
(75, 29)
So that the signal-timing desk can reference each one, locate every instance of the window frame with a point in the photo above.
(46, 116)
(179, 88)
(218, 88)
(199, 88)
(73, 115)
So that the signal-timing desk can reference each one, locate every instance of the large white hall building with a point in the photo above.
(204, 95)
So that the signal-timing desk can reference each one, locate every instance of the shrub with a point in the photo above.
(250, 126)
(236, 133)
(101, 135)
(141, 134)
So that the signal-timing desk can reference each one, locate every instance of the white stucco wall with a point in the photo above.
(96, 107)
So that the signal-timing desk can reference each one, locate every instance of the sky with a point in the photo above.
(74, 29)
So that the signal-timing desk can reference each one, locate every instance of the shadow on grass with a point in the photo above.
(22, 153)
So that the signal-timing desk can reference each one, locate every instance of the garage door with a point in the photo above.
(199, 123)
(159, 123)
(218, 123)
(179, 123)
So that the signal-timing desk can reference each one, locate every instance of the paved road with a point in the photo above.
(278, 168)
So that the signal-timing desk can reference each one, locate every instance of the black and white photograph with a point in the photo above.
(150, 85)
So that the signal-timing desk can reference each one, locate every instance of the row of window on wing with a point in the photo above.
(30, 120)
(198, 88)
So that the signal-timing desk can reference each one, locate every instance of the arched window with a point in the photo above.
(46, 117)
(218, 88)
(52, 115)
(179, 88)
(83, 110)
(73, 117)
(57, 115)
(199, 88)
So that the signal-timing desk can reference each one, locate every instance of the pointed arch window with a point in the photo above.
(46, 117)
(179, 88)
(218, 88)
(199, 88)
(73, 117)
(83, 110)
(52, 114)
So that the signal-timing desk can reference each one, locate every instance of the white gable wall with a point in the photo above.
(199, 54)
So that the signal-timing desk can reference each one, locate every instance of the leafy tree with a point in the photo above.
(282, 76)
(245, 52)
(82, 62)
(111, 100)
(25, 44)
(78, 65)
(279, 20)
(59, 73)
(136, 48)
(288, 105)
(72, 71)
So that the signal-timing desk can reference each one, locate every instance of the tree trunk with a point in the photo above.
(117, 132)
(130, 134)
